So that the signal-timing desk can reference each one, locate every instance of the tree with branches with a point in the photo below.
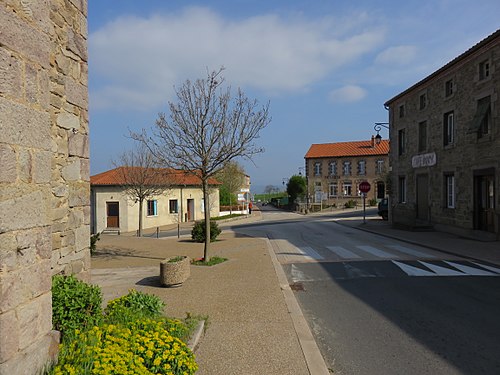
(205, 129)
(296, 187)
(141, 179)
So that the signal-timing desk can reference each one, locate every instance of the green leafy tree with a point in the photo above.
(232, 177)
(296, 187)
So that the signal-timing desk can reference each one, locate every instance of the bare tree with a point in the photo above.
(137, 172)
(206, 129)
(232, 177)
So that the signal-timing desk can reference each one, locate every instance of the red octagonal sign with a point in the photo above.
(364, 187)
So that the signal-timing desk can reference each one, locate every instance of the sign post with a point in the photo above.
(364, 187)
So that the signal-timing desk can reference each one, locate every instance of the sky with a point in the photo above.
(325, 66)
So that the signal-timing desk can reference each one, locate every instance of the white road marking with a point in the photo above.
(442, 271)
(374, 251)
(492, 269)
(309, 252)
(406, 250)
(342, 252)
(413, 271)
(298, 275)
(471, 270)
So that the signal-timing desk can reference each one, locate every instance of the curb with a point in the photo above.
(195, 339)
(314, 360)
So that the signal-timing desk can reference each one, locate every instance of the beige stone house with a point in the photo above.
(44, 171)
(445, 132)
(335, 170)
(115, 211)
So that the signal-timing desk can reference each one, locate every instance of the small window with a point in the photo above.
(346, 170)
(484, 70)
(332, 168)
(483, 116)
(347, 185)
(448, 128)
(317, 169)
(401, 111)
(448, 88)
(173, 206)
(450, 190)
(152, 208)
(333, 190)
(361, 168)
(423, 101)
(401, 141)
(422, 136)
(379, 166)
(402, 189)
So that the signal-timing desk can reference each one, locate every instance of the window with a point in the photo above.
(173, 206)
(401, 141)
(448, 88)
(482, 118)
(317, 169)
(332, 168)
(402, 189)
(333, 190)
(422, 136)
(379, 167)
(449, 128)
(401, 111)
(346, 170)
(423, 101)
(152, 208)
(361, 167)
(450, 190)
(484, 69)
(347, 185)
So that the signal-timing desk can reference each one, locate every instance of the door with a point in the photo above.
(113, 214)
(484, 202)
(380, 190)
(423, 197)
(190, 209)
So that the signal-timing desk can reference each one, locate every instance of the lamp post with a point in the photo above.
(378, 127)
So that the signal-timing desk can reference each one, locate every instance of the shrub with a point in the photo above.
(75, 304)
(93, 242)
(198, 232)
(372, 202)
(141, 347)
(350, 203)
(132, 306)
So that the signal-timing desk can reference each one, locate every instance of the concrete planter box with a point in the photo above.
(174, 273)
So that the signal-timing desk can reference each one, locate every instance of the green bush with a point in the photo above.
(198, 232)
(132, 306)
(75, 304)
(372, 202)
(351, 203)
(93, 242)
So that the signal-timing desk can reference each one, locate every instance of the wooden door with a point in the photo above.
(113, 214)
(484, 202)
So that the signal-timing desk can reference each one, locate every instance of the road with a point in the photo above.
(381, 306)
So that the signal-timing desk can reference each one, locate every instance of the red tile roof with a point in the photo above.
(354, 148)
(116, 177)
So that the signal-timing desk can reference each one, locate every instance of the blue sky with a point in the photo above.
(326, 66)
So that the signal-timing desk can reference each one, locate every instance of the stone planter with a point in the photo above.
(174, 273)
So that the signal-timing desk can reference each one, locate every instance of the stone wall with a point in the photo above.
(44, 173)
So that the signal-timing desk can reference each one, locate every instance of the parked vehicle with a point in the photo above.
(383, 208)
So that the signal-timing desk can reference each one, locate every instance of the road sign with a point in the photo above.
(364, 187)
(241, 197)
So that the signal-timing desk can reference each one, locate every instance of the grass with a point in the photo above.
(230, 216)
(212, 262)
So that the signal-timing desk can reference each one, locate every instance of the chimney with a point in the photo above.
(373, 141)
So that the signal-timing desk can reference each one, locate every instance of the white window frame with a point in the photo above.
(333, 189)
(346, 168)
(332, 168)
(347, 189)
(379, 166)
(362, 167)
(154, 208)
(317, 169)
(176, 210)
(450, 190)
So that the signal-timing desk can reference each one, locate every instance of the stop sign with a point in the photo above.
(364, 187)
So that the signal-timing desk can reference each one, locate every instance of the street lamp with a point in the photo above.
(378, 127)
(300, 170)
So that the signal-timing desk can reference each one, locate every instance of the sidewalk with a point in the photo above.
(251, 328)
(445, 242)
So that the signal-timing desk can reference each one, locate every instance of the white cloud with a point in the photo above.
(399, 55)
(347, 94)
(136, 61)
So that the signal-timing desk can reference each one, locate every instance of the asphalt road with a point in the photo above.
(380, 306)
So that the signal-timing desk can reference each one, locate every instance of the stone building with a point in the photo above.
(335, 170)
(445, 158)
(113, 210)
(44, 170)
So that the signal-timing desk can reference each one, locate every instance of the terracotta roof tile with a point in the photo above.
(116, 177)
(354, 148)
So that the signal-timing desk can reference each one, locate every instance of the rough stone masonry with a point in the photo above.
(44, 170)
